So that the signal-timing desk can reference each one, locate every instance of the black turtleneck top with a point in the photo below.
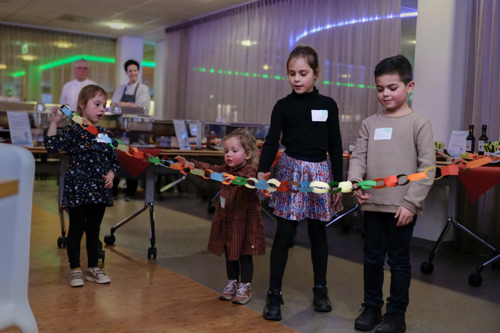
(303, 138)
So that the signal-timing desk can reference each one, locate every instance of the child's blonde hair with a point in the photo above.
(248, 143)
(86, 94)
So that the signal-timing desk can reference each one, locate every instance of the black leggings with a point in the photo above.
(283, 240)
(85, 218)
(243, 266)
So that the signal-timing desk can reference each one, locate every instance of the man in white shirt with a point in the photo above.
(71, 89)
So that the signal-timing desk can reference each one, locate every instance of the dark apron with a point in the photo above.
(129, 98)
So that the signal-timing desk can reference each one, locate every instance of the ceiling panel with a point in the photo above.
(148, 18)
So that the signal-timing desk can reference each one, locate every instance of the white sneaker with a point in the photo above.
(243, 294)
(228, 293)
(95, 274)
(76, 278)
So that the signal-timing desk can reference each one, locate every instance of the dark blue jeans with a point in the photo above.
(382, 238)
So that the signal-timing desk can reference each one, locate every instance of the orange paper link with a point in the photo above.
(130, 151)
(283, 186)
(478, 162)
(138, 154)
(417, 176)
(379, 186)
(450, 170)
(391, 181)
(230, 176)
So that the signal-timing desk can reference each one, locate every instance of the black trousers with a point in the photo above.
(383, 237)
(283, 240)
(85, 218)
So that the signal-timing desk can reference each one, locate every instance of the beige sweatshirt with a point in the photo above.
(389, 146)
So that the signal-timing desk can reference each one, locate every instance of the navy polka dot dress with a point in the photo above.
(89, 159)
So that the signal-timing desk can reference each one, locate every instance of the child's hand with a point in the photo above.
(337, 201)
(185, 162)
(263, 176)
(55, 115)
(404, 216)
(362, 197)
(108, 179)
(228, 179)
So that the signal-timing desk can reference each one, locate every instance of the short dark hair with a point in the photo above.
(130, 62)
(398, 64)
(307, 52)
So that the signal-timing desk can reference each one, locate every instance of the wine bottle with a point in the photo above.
(470, 141)
(482, 140)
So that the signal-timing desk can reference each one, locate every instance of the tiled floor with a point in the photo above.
(441, 302)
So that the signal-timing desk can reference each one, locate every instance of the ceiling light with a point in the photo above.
(63, 44)
(28, 57)
(3, 66)
(265, 67)
(248, 42)
(117, 25)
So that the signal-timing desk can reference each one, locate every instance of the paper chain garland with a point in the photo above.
(272, 185)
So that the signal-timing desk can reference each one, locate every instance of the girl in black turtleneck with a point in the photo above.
(309, 125)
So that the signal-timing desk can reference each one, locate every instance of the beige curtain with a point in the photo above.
(43, 76)
(232, 65)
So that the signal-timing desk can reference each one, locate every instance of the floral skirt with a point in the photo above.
(301, 205)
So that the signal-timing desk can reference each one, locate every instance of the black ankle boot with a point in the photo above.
(272, 310)
(368, 319)
(392, 323)
(321, 301)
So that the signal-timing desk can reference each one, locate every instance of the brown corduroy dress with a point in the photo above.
(237, 223)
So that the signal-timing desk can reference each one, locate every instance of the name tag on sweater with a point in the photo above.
(319, 115)
(383, 134)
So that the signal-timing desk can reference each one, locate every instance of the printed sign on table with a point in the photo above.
(19, 128)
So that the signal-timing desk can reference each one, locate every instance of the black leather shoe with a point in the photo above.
(368, 319)
(272, 310)
(321, 301)
(392, 323)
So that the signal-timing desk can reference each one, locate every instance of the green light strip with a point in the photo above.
(71, 59)
(148, 64)
(278, 77)
(18, 74)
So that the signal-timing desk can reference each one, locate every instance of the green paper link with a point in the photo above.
(239, 181)
(366, 184)
(155, 160)
(336, 191)
(113, 140)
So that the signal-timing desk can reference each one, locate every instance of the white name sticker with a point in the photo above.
(222, 202)
(98, 139)
(383, 134)
(319, 115)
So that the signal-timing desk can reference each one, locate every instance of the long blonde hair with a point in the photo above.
(248, 143)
